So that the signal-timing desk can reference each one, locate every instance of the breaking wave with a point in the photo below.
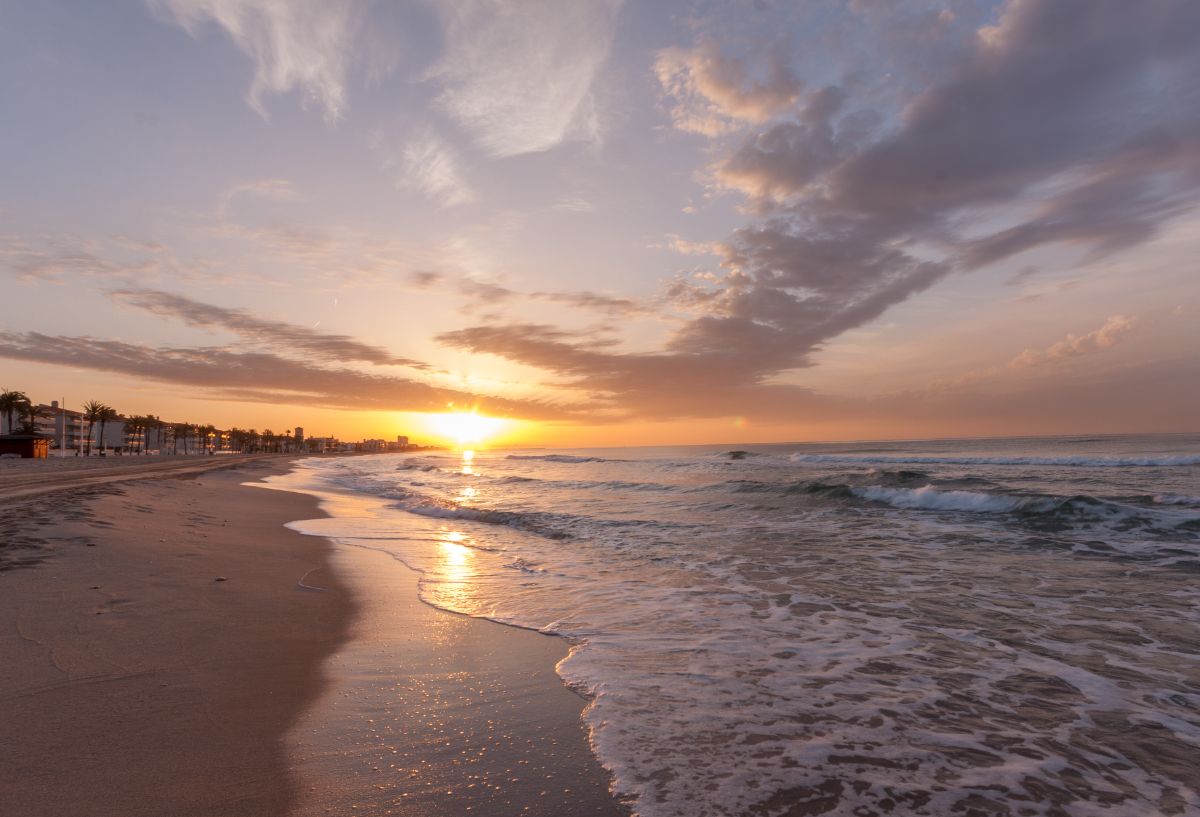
(555, 458)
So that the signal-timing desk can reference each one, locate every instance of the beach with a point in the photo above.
(168, 647)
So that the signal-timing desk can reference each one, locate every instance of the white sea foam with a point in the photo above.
(930, 498)
(554, 458)
(1176, 499)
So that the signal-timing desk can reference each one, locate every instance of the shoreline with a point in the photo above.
(438, 713)
(167, 645)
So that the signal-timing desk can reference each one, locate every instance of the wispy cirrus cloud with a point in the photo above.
(518, 77)
(286, 338)
(269, 189)
(296, 45)
(597, 302)
(115, 259)
(429, 164)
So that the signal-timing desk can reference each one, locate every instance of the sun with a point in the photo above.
(465, 428)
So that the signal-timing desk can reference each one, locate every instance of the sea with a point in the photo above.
(952, 627)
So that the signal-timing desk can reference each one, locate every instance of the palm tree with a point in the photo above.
(151, 423)
(107, 415)
(93, 410)
(134, 426)
(31, 414)
(207, 431)
(12, 405)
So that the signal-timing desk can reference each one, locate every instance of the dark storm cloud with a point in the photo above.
(258, 376)
(290, 339)
(1068, 121)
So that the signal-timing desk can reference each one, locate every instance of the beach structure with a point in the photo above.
(25, 446)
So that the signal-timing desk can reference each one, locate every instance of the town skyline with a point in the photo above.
(97, 428)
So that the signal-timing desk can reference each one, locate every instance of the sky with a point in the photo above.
(609, 222)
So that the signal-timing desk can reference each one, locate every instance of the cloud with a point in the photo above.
(432, 166)
(713, 94)
(304, 45)
(518, 77)
(483, 295)
(270, 189)
(1054, 87)
(1066, 121)
(257, 376)
(291, 340)
(683, 246)
(573, 204)
(785, 159)
(429, 164)
(674, 383)
(607, 304)
(119, 258)
(1107, 336)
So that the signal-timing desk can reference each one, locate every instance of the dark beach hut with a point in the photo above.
(26, 446)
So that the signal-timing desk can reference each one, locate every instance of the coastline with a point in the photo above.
(167, 645)
(431, 712)
(155, 647)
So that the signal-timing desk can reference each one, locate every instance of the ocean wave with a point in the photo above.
(1175, 499)
(1039, 510)
(529, 522)
(416, 466)
(1093, 462)
(567, 458)
(933, 499)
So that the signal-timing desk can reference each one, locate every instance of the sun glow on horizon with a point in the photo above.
(466, 427)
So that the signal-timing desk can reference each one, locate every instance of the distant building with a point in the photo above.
(402, 441)
(62, 426)
(298, 435)
(321, 445)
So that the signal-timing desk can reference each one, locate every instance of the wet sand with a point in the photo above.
(434, 714)
(168, 647)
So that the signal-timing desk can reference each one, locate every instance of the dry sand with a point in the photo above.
(134, 682)
(30, 477)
